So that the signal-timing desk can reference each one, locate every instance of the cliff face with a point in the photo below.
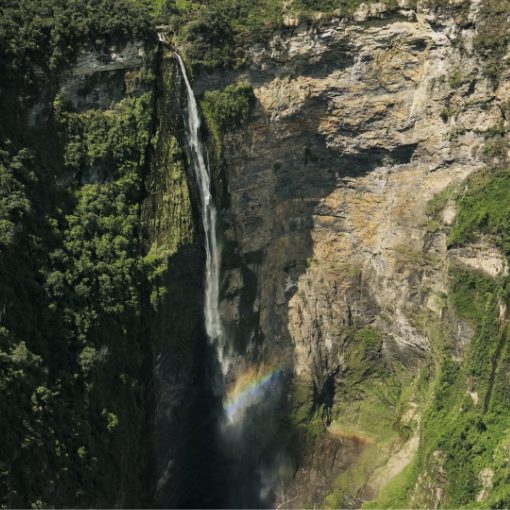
(343, 265)
(360, 166)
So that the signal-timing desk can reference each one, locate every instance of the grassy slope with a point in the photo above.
(466, 434)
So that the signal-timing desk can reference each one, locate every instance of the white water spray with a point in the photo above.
(213, 323)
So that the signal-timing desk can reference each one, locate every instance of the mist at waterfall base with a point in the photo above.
(249, 435)
(245, 459)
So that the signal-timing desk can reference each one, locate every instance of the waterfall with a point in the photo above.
(213, 324)
(250, 393)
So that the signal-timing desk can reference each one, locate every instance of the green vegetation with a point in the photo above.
(70, 262)
(368, 415)
(435, 208)
(364, 412)
(466, 426)
(485, 209)
(363, 357)
(227, 109)
(344, 7)
(14, 203)
(493, 36)
(456, 78)
(473, 296)
(38, 37)
(214, 33)
(466, 429)
(395, 493)
(224, 111)
(70, 346)
(80, 283)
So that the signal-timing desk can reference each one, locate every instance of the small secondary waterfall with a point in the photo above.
(213, 324)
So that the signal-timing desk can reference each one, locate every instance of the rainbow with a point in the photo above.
(249, 388)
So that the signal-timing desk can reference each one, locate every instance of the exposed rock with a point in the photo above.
(480, 257)
(98, 80)
(486, 476)
(362, 148)
(449, 214)
(130, 56)
(431, 484)
(397, 462)
(329, 185)
(366, 11)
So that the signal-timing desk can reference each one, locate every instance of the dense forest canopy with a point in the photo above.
(70, 261)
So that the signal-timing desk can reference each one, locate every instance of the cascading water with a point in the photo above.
(249, 401)
(213, 324)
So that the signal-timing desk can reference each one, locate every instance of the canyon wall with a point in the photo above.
(359, 161)
(342, 266)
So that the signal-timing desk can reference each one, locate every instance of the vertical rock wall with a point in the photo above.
(357, 127)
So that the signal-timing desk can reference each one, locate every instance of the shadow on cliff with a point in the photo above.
(279, 172)
(184, 465)
(279, 169)
(186, 468)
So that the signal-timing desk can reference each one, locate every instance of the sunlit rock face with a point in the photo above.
(358, 125)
